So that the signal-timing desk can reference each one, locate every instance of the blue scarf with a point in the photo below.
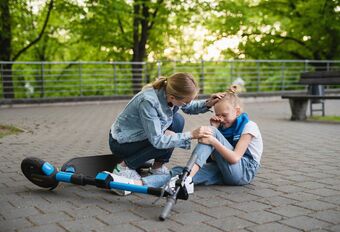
(233, 133)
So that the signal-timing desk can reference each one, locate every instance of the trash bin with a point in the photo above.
(317, 90)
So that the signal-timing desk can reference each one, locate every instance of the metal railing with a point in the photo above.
(31, 80)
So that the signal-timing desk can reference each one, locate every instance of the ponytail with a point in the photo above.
(234, 89)
(180, 85)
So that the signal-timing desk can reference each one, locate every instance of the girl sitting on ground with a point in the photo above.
(230, 156)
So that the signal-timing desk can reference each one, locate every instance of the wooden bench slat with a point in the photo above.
(321, 77)
(320, 81)
(309, 97)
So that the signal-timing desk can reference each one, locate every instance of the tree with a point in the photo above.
(144, 19)
(282, 29)
(129, 31)
(9, 52)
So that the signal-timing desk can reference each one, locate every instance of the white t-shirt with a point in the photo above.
(256, 144)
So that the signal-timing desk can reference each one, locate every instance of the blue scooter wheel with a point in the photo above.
(32, 169)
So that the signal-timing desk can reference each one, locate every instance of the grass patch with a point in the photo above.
(8, 130)
(325, 118)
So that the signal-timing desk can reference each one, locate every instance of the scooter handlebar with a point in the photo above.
(171, 200)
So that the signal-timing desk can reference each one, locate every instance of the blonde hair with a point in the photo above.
(180, 85)
(231, 97)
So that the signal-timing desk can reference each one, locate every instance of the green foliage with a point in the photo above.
(281, 29)
(103, 30)
(100, 30)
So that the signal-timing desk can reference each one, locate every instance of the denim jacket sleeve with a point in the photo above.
(153, 129)
(195, 107)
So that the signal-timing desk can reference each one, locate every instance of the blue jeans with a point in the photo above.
(135, 154)
(216, 172)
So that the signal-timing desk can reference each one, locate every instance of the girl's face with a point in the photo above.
(226, 113)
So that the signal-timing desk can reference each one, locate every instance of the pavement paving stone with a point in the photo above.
(315, 205)
(323, 192)
(221, 212)
(241, 197)
(191, 218)
(260, 217)
(153, 225)
(231, 223)
(305, 223)
(311, 184)
(332, 199)
(95, 224)
(277, 201)
(331, 215)
(301, 196)
(42, 228)
(20, 213)
(188, 206)
(272, 227)
(250, 206)
(296, 189)
(119, 218)
(212, 202)
(265, 192)
(15, 224)
(198, 227)
(290, 211)
(49, 218)
(335, 228)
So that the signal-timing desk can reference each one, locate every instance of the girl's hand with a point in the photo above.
(215, 121)
(214, 98)
(207, 140)
(202, 131)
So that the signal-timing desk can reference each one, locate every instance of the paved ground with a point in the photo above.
(298, 187)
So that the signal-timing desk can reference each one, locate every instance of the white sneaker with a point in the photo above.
(126, 172)
(189, 184)
(120, 179)
(163, 170)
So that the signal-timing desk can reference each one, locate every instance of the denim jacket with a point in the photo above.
(147, 116)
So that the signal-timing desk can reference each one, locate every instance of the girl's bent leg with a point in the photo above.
(232, 173)
(227, 173)
(209, 174)
(137, 153)
(203, 151)
(240, 173)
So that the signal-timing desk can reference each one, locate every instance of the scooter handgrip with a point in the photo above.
(167, 208)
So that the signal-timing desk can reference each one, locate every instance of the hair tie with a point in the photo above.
(232, 89)
(165, 80)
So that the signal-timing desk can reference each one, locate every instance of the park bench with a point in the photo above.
(315, 94)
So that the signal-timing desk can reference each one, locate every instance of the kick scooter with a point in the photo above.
(90, 171)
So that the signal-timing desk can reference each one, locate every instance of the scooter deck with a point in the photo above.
(91, 165)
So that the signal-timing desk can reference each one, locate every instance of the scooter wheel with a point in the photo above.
(32, 169)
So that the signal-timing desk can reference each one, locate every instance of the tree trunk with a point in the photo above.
(143, 22)
(5, 50)
(6, 47)
(138, 48)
